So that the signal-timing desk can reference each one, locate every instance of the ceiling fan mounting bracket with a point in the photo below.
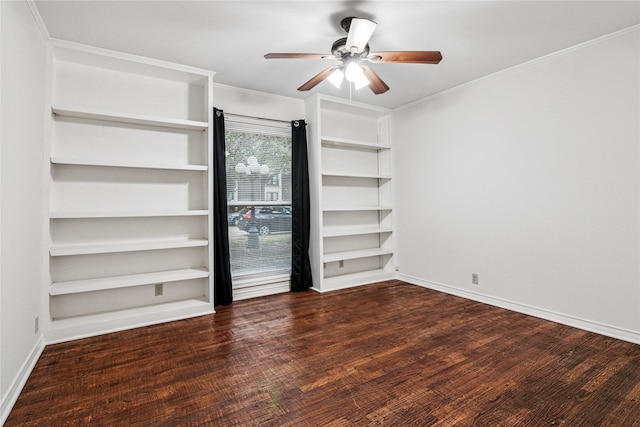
(346, 23)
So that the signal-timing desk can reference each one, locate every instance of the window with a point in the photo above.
(258, 166)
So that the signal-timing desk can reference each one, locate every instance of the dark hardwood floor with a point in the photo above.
(384, 354)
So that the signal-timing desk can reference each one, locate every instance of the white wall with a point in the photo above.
(530, 178)
(23, 63)
(235, 100)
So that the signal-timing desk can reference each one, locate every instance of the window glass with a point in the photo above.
(258, 166)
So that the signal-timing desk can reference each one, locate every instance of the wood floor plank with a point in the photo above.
(383, 354)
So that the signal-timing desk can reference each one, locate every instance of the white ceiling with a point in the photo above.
(476, 38)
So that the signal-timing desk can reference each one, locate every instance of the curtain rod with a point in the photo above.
(232, 115)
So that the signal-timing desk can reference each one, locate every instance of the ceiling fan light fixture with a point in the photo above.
(353, 71)
(361, 82)
(355, 74)
(352, 51)
(336, 77)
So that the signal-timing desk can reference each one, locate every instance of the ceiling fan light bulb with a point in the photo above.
(361, 81)
(336, 77)
(354, 72)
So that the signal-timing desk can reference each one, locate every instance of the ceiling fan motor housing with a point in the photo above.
(339, 49)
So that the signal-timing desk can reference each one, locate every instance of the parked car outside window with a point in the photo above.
(268, 219)
(233, 217)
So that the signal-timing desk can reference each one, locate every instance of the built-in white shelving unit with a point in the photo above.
(350, 179)
(129, 191)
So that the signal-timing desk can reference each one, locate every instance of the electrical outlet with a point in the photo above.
(397, 268)
(474, 278)
(159, 289)
(37, 324)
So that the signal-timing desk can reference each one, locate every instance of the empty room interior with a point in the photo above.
(319, 213)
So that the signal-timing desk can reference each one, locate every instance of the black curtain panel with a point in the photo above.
(223, 294)
(301, 209)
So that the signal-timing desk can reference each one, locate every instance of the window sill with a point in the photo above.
(249, 282)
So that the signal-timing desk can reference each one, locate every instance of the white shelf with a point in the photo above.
(357, 208)
(353, 144)
(89, 285)
(340, 232)
(112, 247)
(123, 164)
(355, 175)
(364, 253)
(136, 119)
(126, 214)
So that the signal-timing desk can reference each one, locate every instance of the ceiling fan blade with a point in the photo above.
(377, 85)
(407, 57)
(298, 56)
(316, 79)
(360, 32)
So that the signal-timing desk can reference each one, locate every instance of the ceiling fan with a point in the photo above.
(353, 51)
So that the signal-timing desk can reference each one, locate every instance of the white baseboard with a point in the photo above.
(10, 398)
(576, 322)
